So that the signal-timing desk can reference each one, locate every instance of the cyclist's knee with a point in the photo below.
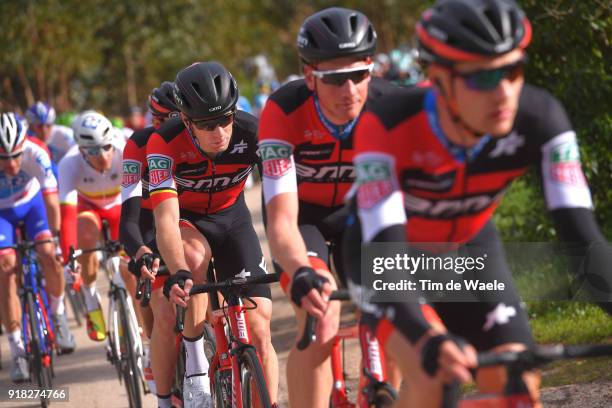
(88, 231)
(8, 261)
(164, 314)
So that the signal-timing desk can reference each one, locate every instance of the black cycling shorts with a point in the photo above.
(234, 243)
(484, 323)
(322, 229)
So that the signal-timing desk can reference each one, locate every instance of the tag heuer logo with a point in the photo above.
(373, 171)
(567, 152)
(131, 172)
(159, 168)
(271, 151)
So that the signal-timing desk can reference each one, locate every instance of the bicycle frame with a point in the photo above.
(31, 283)
(229, 339)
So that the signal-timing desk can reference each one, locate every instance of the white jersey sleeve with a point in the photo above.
(60, 141)
(67, 171)
(279, 171)
(38, 165)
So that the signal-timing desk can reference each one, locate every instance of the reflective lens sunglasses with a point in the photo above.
(489, 79)
(338, 77)
(10, 156)
(97, 150)
(211, 124)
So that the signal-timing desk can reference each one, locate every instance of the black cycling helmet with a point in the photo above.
(335, 33)
(205, 90)
(161, 100)
(470, 30)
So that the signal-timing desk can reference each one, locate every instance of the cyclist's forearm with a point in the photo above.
(286, 243)
(53, 211)
(168, 235)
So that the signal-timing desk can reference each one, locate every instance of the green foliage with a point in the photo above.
(570, 56)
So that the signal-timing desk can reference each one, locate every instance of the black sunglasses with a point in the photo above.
(338, 77)
(10, 156)
(96, 150)
(211, 124)
(489, 79)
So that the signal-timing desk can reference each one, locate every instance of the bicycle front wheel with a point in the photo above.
(129, 359)
(253, 382)
(40, 364)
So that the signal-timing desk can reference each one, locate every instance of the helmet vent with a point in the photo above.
(493, 19)
(353, 23)
(311, 40)
(105, 131)
(370, 34)
(196, 88)
(329, 25)
(473, 29)
(218, 85)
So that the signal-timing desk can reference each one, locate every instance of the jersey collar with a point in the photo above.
(339, 132)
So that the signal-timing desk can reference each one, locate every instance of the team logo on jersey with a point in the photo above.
(565, 164)
(159, 168)
(374, 179)
(507, 146)
(240, 147)
(276, 158)
(309, 151)
(131, 172)
(452, 207)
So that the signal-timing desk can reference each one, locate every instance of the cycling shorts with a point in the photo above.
(233, 241)
(322, 229)
(485, 324)
(112, 215)
(34, 216)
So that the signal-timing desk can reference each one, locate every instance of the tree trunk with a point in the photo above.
(25, 83)
(130, 74)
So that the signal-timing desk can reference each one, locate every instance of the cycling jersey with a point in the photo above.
(449, 192)
(136, 216)
(34, 216)
(35, 175)
(301, 151)
(177, 167)
(92, 190)
(412, 182)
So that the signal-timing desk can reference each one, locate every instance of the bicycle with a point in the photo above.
(235, 373)
(124, 347)
(375, 391)
(515, 394)
(37, 328)
(75, 297)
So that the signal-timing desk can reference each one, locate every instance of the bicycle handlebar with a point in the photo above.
(309, 335)
(25, 245)
(233, 283)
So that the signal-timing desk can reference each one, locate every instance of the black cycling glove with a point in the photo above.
(304, 280)
(179, 277)
(430, 352)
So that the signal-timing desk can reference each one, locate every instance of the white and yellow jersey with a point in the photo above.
(79, 181)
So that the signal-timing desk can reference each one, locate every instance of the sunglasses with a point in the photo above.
(97, 150)
(489, 79)
(211, 124)
(10, 156)
(338, 77)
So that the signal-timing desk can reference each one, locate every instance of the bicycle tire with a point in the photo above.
(38, 371)
(128, 359)
(179, 372)
(252, 379)
(384, 397)
(222, 389)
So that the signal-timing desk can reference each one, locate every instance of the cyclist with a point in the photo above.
(89, 191)
(28, 193)
(41, 124)
(198, 166)
(432, 164)
(306, 145)
(137, 232)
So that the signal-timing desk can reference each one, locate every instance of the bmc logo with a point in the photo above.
(243, 333)
(446, 209)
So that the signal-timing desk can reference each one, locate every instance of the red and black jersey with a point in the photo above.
(409, 172)
(296, 143)
(177, 167)
(135, 179)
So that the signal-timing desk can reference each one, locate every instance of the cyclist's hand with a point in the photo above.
(148, 264)
(310, 291)
(177, 287)
(443, 356)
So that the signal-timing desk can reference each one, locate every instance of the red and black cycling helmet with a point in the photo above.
(470, 30)
(161, 100)
(205, 90)
(335, 33)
